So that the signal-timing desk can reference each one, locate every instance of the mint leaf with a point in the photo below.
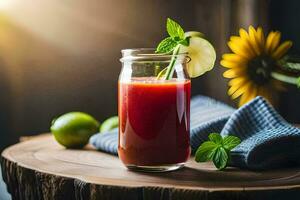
(184, 42)
(172, 43)
(166, 45)
(229, 142)
(174, 29)
(220, 158)
(216, 138)
(217, 149)
(205, 152)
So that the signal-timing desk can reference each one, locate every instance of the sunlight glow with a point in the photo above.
(5, 4)
(67, 25)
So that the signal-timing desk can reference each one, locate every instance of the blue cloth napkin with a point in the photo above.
(207, 116)
(268, 141)
(106, 141)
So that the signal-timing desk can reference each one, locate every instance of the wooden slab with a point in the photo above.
(42, 169)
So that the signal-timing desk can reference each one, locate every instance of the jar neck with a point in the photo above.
(148, 55)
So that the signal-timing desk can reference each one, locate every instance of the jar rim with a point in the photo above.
(148, 54)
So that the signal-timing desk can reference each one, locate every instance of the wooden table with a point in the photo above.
(41, 169)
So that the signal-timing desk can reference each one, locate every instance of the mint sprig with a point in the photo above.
(172, 44)
(217, 149)
(174, 29)
(166, 45)
(176, 36)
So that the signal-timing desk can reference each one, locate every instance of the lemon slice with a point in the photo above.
(202, 54)
(193, 34)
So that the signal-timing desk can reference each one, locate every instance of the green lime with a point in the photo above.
(74, 129)
(109, 124)
(202, 54)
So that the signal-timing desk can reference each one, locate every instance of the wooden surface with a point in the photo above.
(39, 168)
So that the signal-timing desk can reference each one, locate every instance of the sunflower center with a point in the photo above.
(260, 68)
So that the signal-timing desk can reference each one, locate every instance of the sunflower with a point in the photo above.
(251, 63)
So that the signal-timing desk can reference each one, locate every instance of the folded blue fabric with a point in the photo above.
(268, 141)
(106, 141)
(207, 116)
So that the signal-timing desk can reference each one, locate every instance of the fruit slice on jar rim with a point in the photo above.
(202, 55)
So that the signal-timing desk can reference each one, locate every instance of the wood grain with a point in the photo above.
(42, 169)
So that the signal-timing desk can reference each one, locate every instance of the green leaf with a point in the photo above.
(298, 82)
(220, 158)
(229, 142)
(216, 138)
(166, 45)
(174, 29)
(206, 151)
(289, 62)
(292, 65)
(184, 42)
(217, 149)
(290, 58)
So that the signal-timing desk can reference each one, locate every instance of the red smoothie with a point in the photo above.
(154, 120)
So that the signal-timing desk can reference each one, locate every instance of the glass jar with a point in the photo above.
(154, 113)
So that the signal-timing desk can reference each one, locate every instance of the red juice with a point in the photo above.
(154, 118)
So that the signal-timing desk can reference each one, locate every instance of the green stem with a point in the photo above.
(289, 64)
(293, 66)
(170, 71)
(284, 78)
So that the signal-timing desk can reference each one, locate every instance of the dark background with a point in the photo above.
(58, 56)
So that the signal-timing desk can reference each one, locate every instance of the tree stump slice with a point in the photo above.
(42, 169)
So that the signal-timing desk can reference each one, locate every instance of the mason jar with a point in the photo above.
(154, 112)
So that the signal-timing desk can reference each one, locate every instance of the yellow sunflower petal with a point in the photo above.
(261, 37)
(265, 92)
(244, 35)
(234, 37)
(253, 40)
(231, 57)
(244, 44)
(247, 96)
(238, 81)
(243, 99)
(282, 49)
(237, 85)
(239, 42)
(238, 49)
(229, 64)
(269, 42)
(232, 73)
(232, 89)
(241, 90)
(275, 42)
